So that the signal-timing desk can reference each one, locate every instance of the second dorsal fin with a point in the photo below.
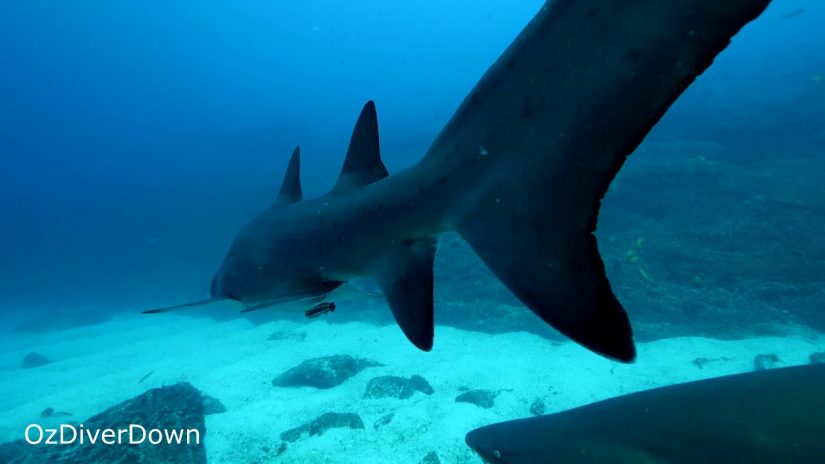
(362, 164)
(291, 186)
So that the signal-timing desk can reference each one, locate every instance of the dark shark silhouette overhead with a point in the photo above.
(519, 172)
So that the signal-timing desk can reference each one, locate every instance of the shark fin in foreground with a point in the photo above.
(773, 416)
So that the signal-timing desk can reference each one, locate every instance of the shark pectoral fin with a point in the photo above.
(554, 271)
(362, 164)
(405, 275)
(180, 307)
(300, 299)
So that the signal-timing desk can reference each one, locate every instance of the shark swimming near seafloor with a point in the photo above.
(519, 172)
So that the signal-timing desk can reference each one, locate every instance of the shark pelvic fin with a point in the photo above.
(180, 307)
(291, 186)
(405, 275)
(362, 164)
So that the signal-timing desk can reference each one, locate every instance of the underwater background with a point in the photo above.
(137, 138)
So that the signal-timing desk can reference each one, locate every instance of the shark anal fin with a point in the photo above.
(555, 271)
(306, 296)
(291, 186)
(362, 164)
(405, 275)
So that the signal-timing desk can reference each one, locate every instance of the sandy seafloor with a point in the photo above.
(98, 366)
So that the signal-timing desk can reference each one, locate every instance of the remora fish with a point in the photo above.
(767, 417)
(519, 171)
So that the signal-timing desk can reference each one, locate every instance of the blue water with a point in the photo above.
(137, 138)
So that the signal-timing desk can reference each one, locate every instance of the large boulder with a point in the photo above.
(177, 407)
(482, 398)
(325, 372)
(32, 360)
(330, 420)
(390, 386)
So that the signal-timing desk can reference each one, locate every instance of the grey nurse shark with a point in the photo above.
(766, 417)
(519, 172)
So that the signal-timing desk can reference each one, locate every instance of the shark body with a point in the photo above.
(765, 417)
(519, 172)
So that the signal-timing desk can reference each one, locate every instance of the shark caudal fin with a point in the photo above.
(548, 127)
(554, 270)
(405, 271)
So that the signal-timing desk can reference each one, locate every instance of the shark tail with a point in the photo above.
(561, 281)
(573, 96)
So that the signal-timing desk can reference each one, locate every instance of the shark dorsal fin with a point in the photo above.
(362, 164)
(291, 186)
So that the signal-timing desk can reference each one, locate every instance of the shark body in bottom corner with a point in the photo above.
(519, 172)
(766, 417)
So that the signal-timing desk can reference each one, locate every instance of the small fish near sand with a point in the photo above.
(766, 417)
(319, 309)
(50, 412)
(792, 14)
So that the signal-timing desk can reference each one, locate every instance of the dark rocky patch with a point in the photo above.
(178, 407)
(326, 421)
(288, 335)
(765, 361)
(390, 386)
(702, 362)
(325, 372)
(537, 407)
(32, 360)
(212, 405)
(383, 420)
(430, 458)
(14, 452)
(385, 386)
(482, 398)
(817, 358)
(416, 384)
